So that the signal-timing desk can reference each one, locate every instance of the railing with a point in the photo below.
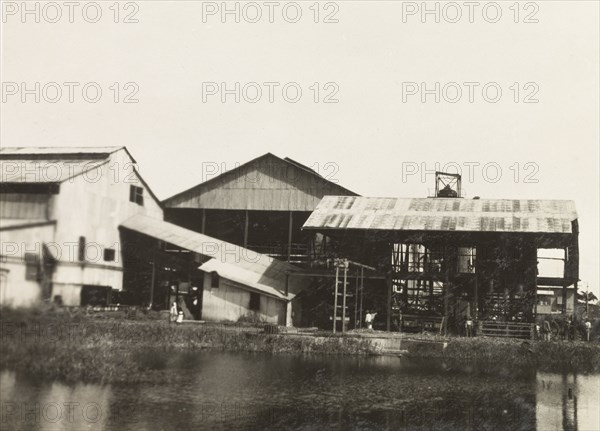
(421, 322)
(492, 328)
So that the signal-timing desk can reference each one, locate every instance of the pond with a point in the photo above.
(238, 391)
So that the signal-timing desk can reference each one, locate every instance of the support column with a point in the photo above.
(476, 308)
(335, 296)
(289, 250)
(203, 226)
(344, 297)
(575, 301)
(246, 229)
(388, 281)
(564, 300)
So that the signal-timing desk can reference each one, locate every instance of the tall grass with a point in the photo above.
(74, 345)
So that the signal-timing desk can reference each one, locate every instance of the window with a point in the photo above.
(214, 279)
(136, 194)
(254, 301)
(466, 260)
(109, 254)
(31, 267)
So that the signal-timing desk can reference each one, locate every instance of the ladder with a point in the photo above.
(343, 281)
(340, 264)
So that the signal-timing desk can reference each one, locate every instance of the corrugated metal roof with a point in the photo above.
(443, 214)
(241, 265)
(45, 170)
(56, 150)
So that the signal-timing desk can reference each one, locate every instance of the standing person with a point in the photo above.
(547, 330)
(469, 326)
(588, 329)
(173, 312)
(369, 319)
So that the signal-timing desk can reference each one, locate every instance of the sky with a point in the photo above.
(375, 95)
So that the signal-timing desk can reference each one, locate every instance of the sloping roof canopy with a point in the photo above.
(442, 214)
(243, 266)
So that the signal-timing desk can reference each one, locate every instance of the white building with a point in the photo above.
(60, 209)
(78, 224)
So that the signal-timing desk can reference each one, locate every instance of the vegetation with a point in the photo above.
(77, 345)
(492, 353)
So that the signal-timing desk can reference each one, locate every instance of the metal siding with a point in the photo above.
(267, 183)
(24, 206)
(44, 170)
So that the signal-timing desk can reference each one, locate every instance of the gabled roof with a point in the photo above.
(55, 165)
(51, 164)
(443, 214)
(246, 267)
(267, 182)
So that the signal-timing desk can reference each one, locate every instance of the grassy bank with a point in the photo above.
(491, 352)
(73, 345)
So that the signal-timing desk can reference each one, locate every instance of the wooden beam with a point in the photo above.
(335, 297)
(246, 229)
(153, 280)
(389, 302)
(575, 301)
(289, 251)
(344, 300)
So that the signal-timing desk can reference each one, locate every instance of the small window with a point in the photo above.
(31, 267)
(109, 254)
(254, 301)
(136, 194)
(214, 279)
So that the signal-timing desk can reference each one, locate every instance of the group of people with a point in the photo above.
(566, 330)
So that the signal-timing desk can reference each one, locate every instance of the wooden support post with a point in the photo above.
(288, 303)
(335, 297)
(362, 288)
(446, 298)
(153, 280)
(203, 226)
(246, 229)
(356, 302)
(476, 310)
(575, 301)
(564, 300)
(289, 250)
(344, 298)
(389, 302)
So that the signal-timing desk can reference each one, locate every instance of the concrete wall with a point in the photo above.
(229, 302)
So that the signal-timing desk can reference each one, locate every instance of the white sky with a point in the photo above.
(367, 135)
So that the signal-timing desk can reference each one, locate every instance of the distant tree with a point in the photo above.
(584, 295)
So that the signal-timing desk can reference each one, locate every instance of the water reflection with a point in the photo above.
(568, 402)
(249, 391)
